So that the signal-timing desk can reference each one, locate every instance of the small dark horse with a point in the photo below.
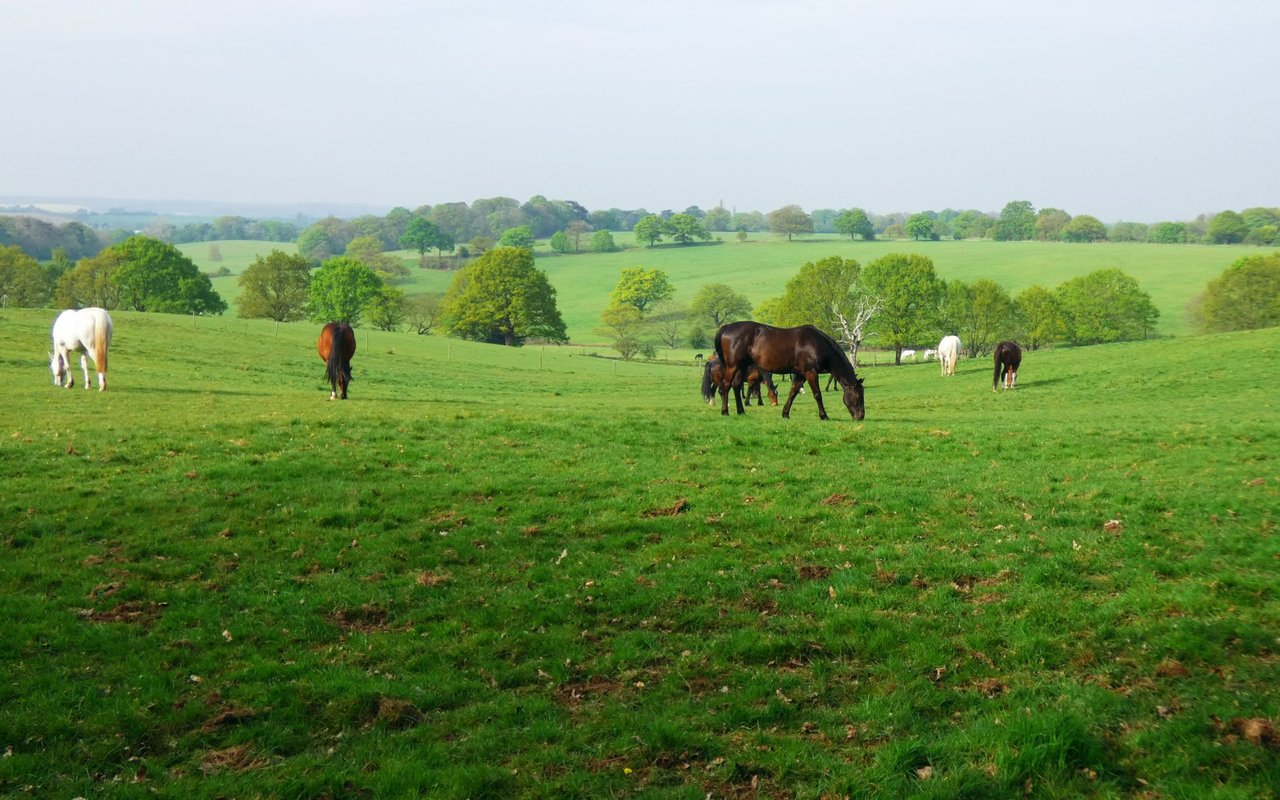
(804, 352)
(336, 346)
(1008, 359)
(713, 369)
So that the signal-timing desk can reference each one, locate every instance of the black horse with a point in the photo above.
(713, 370)
(1008, 359)
(803, 352)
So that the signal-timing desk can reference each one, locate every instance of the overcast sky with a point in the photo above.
(1140, 110)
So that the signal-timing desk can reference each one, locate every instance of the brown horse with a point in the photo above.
(336, 346)
(713, 369)
(1008, 359)
(804, 352)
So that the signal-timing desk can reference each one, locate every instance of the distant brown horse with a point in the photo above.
(1008, 359)
(803, 352)
(713, 369)
(336, 346)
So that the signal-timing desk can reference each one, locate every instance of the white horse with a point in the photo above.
(87, 330)
(928, 354)
(911, 354)
(948, 352)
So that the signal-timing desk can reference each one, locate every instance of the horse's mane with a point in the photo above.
(842, 369)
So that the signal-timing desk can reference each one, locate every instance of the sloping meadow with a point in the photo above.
(535, 572)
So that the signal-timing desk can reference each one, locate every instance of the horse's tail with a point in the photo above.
(333, 364)
(101, 340)
(348, 338)
(995, 378)
(707, 391)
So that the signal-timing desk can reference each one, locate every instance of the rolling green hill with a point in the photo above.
(760, 268)
(533, 572)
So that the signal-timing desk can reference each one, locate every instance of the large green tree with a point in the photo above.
(920, 227)
(1084, 228)
(718, 303)
(980, 313)
(684, 228)
(422, 235)
(342, 290)
(1227, 227)
(830, 295)
(641, 288)
(1017, 222)
(649, 229)
(1040, 317)
(155, 276)
(1245, 296)
(1106, 305)
(501, 297)
(909, 293)
(854, 223)
(22, 282)
(789, 221)
(90, 283)
(275, 286)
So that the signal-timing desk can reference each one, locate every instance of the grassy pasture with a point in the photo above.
(760, 268)
(531, 572)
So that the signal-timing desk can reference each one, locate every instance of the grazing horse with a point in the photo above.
(87, 330)
(911, 354)
(803, 352)
(1008, 359)
(336, 346)
(948, 352)
(713, 369)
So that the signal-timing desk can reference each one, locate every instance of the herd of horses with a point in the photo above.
(746, 352)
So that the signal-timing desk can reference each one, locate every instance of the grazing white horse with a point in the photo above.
(928, 354)
(911, 354)
(87, 330)
(948, 352)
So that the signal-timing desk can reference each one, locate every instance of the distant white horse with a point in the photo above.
(928, 354)
(948, 352)
(88, 331)
(911, 354)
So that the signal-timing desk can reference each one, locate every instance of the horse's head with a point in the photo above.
(855, 399)
(58, 366)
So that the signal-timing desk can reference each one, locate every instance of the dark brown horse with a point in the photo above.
(1008, 359)
(713, 370)
(804, 352)
(336, 346)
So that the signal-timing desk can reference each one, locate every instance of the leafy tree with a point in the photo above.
(368, 251)
(717, 219)
(481, 244)
(342, 289)
(90, 283)
(1017, 222)
(624, 326)
(1049, 224)
(22, 282)
(422, 234)
(788, 221)
(641, 288)
(422, 312)
(560, 242)
(830, 295)
(1106, 306)
(502, 297)
(1168, 233)
(684, 228)
(854, 223)
(980, 313)
(1127, 232)
(1041, 317)
(155, 276)
(388, 309)
(1084, 228)
(1245, 296)
(650, 230)
(920, 227)
(275, 286)
(602, 242)
(1228, 227)
(1262, 235)
(325, 238)
(575, 230)
(909, 293)
(971, 225)
(519, 236)
(719, 304)
(748, 221)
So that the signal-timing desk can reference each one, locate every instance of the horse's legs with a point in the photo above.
(724, 397)
(796, 383)
(84, 366)
(817, 395)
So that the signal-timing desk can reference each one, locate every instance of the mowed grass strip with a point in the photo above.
(530, 572)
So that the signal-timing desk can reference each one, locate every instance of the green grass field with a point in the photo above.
(760, 268)
(533, 572)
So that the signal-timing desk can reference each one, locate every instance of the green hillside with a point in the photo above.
(530, 572)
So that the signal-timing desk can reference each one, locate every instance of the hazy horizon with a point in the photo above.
(1142, 111)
